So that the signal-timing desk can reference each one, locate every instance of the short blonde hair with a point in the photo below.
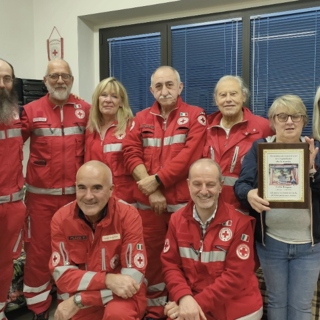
(124, 113)
(292, 103)
(316, 116)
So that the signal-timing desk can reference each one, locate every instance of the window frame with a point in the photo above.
(164, 27)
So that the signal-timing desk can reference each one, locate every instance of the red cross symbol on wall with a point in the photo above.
(55, 52)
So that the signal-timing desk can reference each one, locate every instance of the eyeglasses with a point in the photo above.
(7, 79)
(283, 117)
(56, 76)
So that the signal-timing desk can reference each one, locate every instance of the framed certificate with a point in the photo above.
(283, 174)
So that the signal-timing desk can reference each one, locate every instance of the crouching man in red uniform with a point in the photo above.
(98, 257)
(208, 255)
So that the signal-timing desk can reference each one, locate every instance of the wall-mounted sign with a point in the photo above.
(55, 45)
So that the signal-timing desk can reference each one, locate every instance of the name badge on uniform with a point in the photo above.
(39, 119)
(111, 237)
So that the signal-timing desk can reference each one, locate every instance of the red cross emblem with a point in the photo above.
(114, 261)
(54, 52)
(166, 246)
(121, 136)
(202, 119)
(55, 259)
(80, 113)
(182, 120)
(225, 234)
(139, 260)
(243, 251)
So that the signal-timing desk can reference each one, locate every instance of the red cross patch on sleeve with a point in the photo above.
(243, 251)
(166, 246)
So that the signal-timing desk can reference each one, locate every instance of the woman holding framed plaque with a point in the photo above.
(287, 239)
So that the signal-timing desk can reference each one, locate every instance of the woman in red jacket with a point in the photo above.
(109, 119)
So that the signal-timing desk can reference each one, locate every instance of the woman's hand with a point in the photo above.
(313, 151)
(256, 202)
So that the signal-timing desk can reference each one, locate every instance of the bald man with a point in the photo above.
(56, 126)
(98, 257)
(208, 254)
(12, 209)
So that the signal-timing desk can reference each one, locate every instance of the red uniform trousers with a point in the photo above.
(12, 215)
(40, 210)
(154, 233)
(117, 308)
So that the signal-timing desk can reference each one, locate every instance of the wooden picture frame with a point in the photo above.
(283, 174)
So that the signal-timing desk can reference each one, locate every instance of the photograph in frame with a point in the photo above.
(283, 174)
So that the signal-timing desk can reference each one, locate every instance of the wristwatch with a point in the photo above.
(77, 300)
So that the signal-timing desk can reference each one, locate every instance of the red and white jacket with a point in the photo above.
(109, 151)
(11, 177)
(229, 152)
(56, 144)
(81, 258)
(167, 148)
(217, 269)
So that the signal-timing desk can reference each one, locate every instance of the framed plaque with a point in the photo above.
(283, 174)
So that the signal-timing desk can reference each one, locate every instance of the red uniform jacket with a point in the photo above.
(80, 258)
(167, 148)
(11, 177)
(109, 151)
(229, 153)
(217, 270)
(56, 145)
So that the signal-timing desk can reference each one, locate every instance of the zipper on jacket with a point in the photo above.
(262, 230)
(234, 159)
(103, 257)
(64, 254)
(129, 255)
(212, 153)
(29, 227)
(63, 150)
(311, 218)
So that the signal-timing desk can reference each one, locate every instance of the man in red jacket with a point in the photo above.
(12, 209)
(161, 144)
(208, 254)
(56, 126)
(231, 131)
(98, 257)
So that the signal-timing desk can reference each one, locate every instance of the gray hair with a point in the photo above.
(243, 86)
(316, 116)
(292, 103)
(172, 69)
(209, 161)
(57, 59)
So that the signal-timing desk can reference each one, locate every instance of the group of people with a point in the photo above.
(154, 216)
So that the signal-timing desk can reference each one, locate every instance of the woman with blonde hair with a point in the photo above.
(316, 116)
(287, 240)
(109, 119)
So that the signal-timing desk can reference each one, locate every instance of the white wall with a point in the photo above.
(26, 25)
(17, 36)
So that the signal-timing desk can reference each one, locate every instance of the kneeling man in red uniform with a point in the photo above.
(208, 255)
(98, 258)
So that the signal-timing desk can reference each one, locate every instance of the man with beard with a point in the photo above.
(56, 125)
(12, 209)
